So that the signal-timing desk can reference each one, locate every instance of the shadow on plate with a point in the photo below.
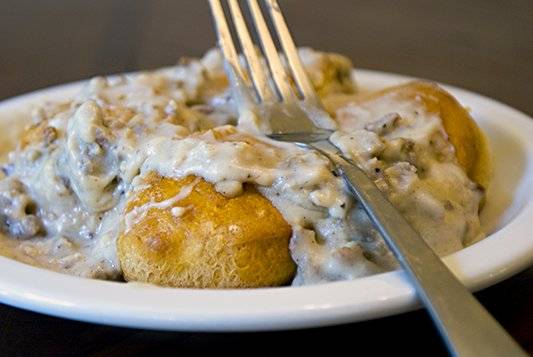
(508, 191)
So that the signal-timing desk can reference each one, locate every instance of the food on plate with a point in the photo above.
(182, 232)
(154, 177)
(471, 148)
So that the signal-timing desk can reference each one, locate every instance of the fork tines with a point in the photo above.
(279, 87)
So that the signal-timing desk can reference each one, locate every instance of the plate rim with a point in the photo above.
(264, 309)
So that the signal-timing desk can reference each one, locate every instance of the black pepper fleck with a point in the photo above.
(448, 205)
(7, 169)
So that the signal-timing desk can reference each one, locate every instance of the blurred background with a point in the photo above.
(485, 46)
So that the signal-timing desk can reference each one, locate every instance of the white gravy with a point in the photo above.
(62, 195)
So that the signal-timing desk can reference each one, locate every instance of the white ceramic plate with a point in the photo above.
(509, 249)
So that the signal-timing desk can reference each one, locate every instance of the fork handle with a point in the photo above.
(467, 328)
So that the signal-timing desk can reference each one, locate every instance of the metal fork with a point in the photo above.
(467, 328)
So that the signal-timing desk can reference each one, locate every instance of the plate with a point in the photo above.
(509, 249)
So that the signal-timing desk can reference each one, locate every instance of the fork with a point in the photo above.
(467, 328)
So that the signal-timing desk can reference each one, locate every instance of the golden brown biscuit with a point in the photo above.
(214, 241)
(471, 148)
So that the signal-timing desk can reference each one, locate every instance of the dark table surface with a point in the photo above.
(484, 46)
